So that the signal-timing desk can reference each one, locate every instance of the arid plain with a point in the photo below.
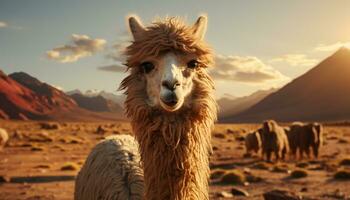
(41, 160)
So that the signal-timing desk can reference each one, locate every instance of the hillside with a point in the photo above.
(321, 94)
(23, 97)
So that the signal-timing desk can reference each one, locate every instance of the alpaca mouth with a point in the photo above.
(170, 103)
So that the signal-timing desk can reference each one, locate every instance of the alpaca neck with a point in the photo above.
(175, 155)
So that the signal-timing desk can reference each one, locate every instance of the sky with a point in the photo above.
(74, 44)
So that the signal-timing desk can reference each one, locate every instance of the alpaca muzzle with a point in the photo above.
(170, 100)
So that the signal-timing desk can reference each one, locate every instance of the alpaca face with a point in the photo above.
(168, 75)
(169, 79)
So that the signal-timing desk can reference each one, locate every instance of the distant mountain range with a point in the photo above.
(321, 94)
(24, 97)
(119, 99)
(96, 103)
(229, 106)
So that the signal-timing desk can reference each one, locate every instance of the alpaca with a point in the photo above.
(274, 139)
(171, 105)
(253, 142)
(294, 137)
(306, 136)
(4, 137)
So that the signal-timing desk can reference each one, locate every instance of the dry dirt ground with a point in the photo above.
(40, 161)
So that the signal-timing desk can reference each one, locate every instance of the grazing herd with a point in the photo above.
(272, 139)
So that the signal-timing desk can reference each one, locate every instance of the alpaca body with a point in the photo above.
(274, 140)
(306, 137)
(4, 137)
(112, 171)
(253, 142)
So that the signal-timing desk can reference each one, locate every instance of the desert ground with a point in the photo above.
(41, 159)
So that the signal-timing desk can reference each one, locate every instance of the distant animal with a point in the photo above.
(274, 140)
(172, 109)
(294, 138)
(253, 142)
(306, 137)
(4, 137)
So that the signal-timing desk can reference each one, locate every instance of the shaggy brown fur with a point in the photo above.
(253, 142)
(112, 171)
(274, 139)
(170, 34)
(304, 137)
(294, 138)
(174, 146)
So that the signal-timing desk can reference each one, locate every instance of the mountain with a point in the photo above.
(18, 101)
(96, 103)
(24, 97)
(232, 106)
(321, 94)
(119, 99)
(49, 96)
(76, 91)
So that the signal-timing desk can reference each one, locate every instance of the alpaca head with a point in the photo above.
(167, 59)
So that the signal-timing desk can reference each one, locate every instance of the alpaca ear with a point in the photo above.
(200, 27)
(136, 27)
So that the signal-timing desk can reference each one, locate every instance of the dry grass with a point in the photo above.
(219, 135)
(342, 175)
(343, 141)
(36, 147)
(299, 173)
(49, 126)
(345, 161)
(71, 140)
(254, 179)
(217, 173)
(40, 137)
(233, 177)
(302, 165)
(280, 169)
(43, 166)
(70, 166)
(262, 165)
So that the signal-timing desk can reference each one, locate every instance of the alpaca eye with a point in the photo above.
(192, 64)
(147, 67)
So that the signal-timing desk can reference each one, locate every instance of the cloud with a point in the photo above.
(113, 68)
(3, 24)
(247, 69)
(295, 60)
(116, 52)
(81, 46)
(332, 47)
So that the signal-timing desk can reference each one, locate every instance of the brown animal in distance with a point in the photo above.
(304, 138)
(274, 140)
(253, 142)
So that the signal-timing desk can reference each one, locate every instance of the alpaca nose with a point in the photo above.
(171, 85)
(170, 99)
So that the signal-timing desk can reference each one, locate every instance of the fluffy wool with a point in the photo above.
(274, 140)
(174, 146)
(111, 171)
(253, 142)
(3, 138)
(304, 137)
